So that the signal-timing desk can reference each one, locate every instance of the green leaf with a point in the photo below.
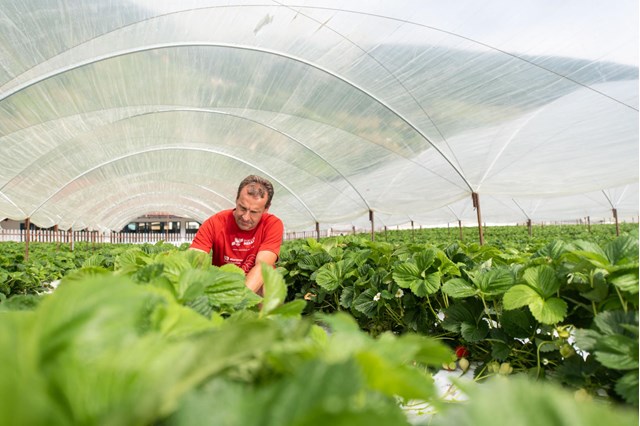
(406, 274)
(290, 309)
(128, 262)
(393, 379)
(598, 293)
(520, 295)
(586, 339)
(459, 288)
(84, 274)
(175, 320)
(494, 281)
(364, 302)
(627, 387)
(500, 350)
(94, 260)
(622, 249)
(543, 279)
(191, 284)
(466, 317)
(346, 297)
(340, 322)
(469, 311)
(227, 290)
(414, 347)
(617, 352)
(275, 290)
(553, 250)
(311, 262)
(429, 285)
(549, 311)
(520, 401)
(474, 332)
(174, 263)
(424, 259)
(517, 323)
(333, 275)
(21, 302)
(612, 322)
(626, 282)
(447, 267)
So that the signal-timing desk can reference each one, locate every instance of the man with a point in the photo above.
(246, 236)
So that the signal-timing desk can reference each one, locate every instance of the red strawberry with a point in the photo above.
(462, 352)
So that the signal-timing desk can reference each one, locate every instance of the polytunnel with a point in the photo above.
(407, 110)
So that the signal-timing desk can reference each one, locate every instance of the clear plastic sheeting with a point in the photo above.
(113, 109)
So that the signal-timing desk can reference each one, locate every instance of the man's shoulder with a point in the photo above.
(271, 224)
(271, 219)
(220, 218)
(223, 214)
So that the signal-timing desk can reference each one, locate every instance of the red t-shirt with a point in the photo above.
(231, 244)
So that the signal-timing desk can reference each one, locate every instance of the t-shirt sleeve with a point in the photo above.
(204, 237)
(273, 236)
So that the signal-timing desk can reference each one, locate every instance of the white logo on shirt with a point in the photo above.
(239, 242)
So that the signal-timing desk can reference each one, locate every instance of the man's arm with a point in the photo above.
(254, 276)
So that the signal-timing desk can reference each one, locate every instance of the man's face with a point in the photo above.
(248, 210)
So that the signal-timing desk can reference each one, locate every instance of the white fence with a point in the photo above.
(51, 236)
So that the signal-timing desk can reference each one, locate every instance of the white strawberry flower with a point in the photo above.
(376, 297)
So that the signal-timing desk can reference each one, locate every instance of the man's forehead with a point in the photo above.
(251, 202)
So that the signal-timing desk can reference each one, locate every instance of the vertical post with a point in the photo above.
(476, 205)
(460, 228)
(615, 217)
(317, 231)
(353, 229)
(27, 237)
(589, 223)
(372, 225)
(529, 227)
(413, 232)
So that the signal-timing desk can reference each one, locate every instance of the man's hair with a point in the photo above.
(257, 187)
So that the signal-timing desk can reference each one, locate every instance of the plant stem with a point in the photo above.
(538, 357)
(431, 307)
(486, 310)
(622, 301)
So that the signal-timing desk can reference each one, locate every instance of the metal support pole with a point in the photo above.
(476, 205)
(317, 231)
(615, 217)
(529, 227)
(372, 225)
(27, 237)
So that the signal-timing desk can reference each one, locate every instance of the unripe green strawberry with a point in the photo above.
(505, 369)
(567, 350)
(493, 367)
(582, 395)
(463, 363)
(449, 366)
(563, 332)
